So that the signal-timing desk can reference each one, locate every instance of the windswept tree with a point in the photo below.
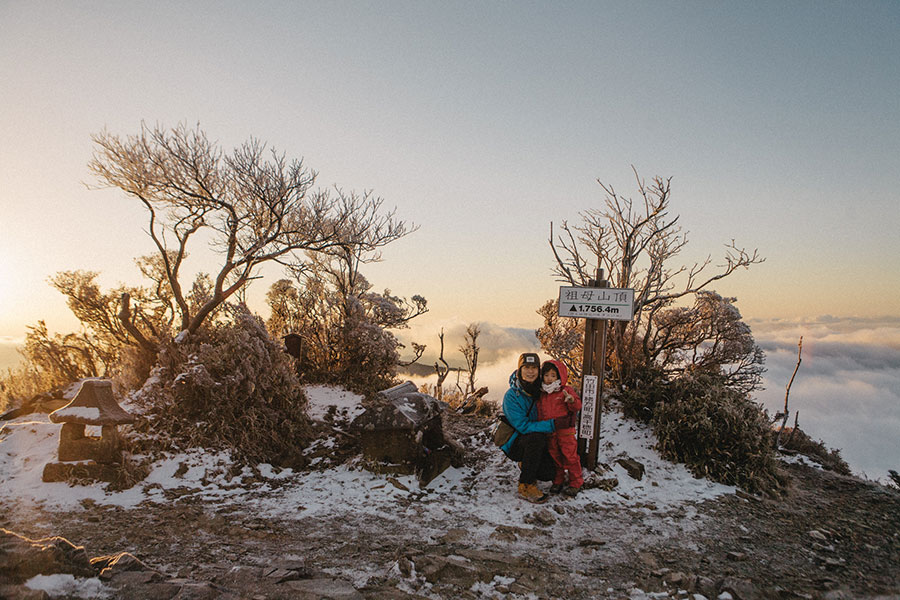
(345, 326)
(252, 203)
(637, 243)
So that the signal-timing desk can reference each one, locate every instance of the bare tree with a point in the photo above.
(441, 371)
(255, 206)
(787, 392)
(636, 243)
(470, 352)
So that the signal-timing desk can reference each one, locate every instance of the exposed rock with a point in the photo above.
(489, 556)
(454, 535)
(22, 558)
(204, 591)
(162, 590)
(587, 542)
(741, 589)
(608, 484)
(706, 586)
(451, 570)
(111, 566)
(401, 432)
(634, 469)
(328, 588)
(541, 517)
(130, 578)
(20, 592)
(123, 561)
(677, 578)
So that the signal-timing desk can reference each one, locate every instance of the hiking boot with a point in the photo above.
(571, 491)
(556, 488)
(531, 492)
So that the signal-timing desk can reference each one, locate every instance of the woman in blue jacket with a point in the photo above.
(528, 444)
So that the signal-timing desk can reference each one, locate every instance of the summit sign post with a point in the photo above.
(598, 304)
(616, 304)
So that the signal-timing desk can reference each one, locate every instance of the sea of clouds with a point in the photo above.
(847, 388)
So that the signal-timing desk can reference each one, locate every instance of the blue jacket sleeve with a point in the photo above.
(516, 409)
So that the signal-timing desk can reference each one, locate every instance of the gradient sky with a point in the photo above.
(481, 122)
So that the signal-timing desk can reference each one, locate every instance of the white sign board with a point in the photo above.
(596, 303)
(588, 406)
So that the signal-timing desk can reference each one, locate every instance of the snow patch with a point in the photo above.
(69, 586)
(80, 412)
(322, 397)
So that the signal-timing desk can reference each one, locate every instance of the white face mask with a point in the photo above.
(551, 387)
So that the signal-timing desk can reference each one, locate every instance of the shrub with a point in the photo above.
(894, 479)
(231, 387)
(717, 431)
(345, 328)
(797, 441)
(21, 384)
(474, 404)
(650, 386)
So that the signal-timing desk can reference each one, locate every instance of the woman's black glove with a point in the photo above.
(564, 422)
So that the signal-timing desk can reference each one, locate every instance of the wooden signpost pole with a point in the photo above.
(587, 363)
(598, 303)
(599, 357)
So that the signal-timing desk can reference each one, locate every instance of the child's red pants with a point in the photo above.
(563, 447)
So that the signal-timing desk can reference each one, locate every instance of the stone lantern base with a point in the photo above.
(86, 470)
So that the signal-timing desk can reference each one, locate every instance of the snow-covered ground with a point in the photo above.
(477, 499)
(28, 443)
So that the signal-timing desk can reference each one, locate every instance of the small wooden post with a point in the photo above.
(587, 359)
(594, 363)
(594, 446)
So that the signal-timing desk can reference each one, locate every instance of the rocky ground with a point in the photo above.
(831, 536)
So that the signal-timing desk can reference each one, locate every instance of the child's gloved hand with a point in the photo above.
(564, 422)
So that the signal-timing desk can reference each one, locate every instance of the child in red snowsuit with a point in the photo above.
(558, 400)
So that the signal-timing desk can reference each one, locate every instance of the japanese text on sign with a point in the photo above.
(588, 406)
(596, 303)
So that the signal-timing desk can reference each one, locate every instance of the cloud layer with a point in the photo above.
(9, 352)
(847, 388)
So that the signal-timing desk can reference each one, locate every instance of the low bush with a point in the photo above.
(475, 404)
(650, 386)
(894, 479)
(230, 387)
(796, 440)
(717, 431)
(21, 384)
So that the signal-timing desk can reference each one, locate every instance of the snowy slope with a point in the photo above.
(28, 443)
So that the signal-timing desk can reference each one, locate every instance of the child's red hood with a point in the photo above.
(562, 370)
